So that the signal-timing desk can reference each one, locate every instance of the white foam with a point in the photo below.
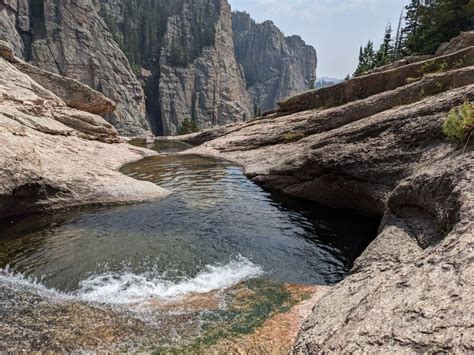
(126, 288)
(19, 281)
(129, 288)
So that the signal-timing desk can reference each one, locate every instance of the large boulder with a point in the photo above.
(54, 157)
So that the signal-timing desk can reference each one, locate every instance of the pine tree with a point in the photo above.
(367, 59)
(435, 22)
(385, 53)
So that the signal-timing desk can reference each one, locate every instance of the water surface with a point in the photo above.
(216, 229)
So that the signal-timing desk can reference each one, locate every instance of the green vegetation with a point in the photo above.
(434, 66)
(259, 300)
(187, 126)
(293, 136)
(428, 24)
(460, 124)
(370, 59)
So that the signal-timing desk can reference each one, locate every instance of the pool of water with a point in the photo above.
(215, 230)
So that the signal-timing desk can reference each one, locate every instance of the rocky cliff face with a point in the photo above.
(275, 66)
(182, 52)
(70, 38)
(187, 48)
(205, 84)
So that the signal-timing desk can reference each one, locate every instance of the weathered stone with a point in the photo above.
(385, 154)
(8, 30)
(6, 51)
(464, 40)
(275, 66)
(46, 162)
(191, 71)
(71, 39)
(374, 83)
(74, 93)
(210, 89)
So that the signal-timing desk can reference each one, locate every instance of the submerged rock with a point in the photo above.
(246, 317)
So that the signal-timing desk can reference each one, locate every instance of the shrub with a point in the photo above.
(187, 126)
(460, 124)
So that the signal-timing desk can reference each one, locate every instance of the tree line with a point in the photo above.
(423, 26)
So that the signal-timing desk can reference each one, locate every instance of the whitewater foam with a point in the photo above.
(128, 288)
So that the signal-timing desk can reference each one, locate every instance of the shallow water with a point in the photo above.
(215, 230)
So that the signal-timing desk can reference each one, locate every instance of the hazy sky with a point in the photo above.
(336, 28)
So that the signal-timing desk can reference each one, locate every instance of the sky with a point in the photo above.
(335, 28)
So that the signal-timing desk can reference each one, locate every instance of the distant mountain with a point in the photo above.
(324, 82)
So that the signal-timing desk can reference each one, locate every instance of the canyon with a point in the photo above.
(163, 62)
(373, 144)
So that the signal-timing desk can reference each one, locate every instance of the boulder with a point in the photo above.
(54, 157)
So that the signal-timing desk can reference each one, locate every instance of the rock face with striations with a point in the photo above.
(54, 156)
(210, 88)
(379, 149)
(192, 59)
(71, 39)
(187, 48)
(275, 66)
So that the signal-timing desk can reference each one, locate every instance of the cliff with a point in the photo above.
(275, 66)
(71, 39)
(162, 62)
(375, 144)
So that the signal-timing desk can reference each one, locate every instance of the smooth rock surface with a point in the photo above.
(53, 157)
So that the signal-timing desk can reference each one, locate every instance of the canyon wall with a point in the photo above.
(163, 62)
(275, 66)
(70, 38)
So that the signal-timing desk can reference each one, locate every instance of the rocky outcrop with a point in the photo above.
(72, 92)
(275, 66)
(464, 40)
(209, 89)
(53, 156)
(71, 39)
(9, 13)
(374, 83)
(383, 154)
(188, 51)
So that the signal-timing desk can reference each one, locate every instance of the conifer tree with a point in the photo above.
(385, 53)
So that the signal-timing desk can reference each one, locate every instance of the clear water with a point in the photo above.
(216, 229)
